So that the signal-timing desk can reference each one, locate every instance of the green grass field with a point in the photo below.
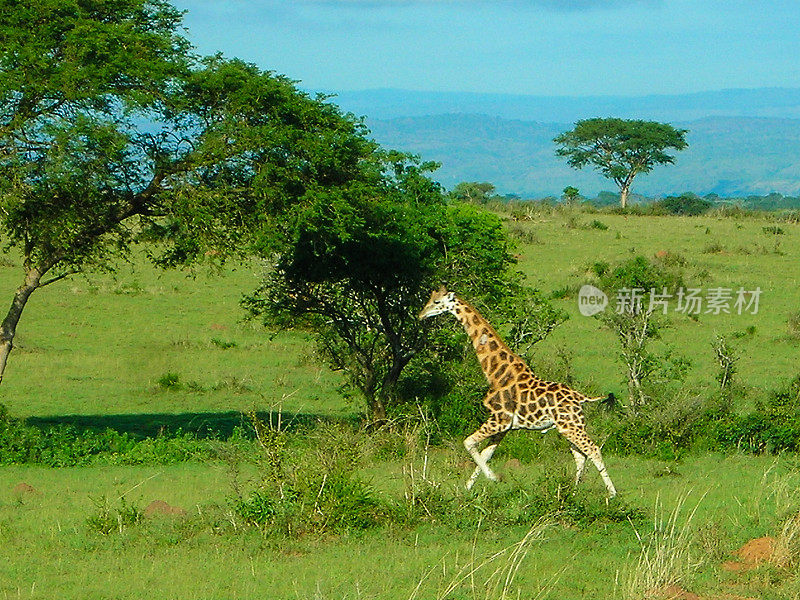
(148, 349)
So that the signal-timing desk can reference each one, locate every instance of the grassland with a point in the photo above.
(147, 349)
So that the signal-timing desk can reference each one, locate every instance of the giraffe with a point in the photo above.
(517, 398)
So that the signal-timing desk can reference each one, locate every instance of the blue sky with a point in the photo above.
(538, 47)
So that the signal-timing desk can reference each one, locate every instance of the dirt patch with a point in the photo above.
(752, 554)
(512, 464)
(159, 507)
(24, 489)
(675, 592)
(672, 592)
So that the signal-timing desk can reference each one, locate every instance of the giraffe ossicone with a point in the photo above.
(517, 399)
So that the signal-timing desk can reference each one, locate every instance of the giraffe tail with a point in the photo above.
(609, 401)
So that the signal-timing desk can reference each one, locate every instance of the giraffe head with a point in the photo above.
(441, 301)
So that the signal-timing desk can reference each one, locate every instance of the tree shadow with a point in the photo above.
(218, 425)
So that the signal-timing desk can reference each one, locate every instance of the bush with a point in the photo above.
(113, 518)
(67, 446)
(673, 429)
(595, 224)
(793, 325)
(316, 491)
(685, 204)
(170, 381)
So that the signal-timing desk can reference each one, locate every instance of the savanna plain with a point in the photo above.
(204, 403)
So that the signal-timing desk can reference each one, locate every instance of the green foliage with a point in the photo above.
(551, 495)
(113, 517)
(634, 321)
(318, 492)
(224, 344)
(571, 194)
(66, 446)
(776, 423)
(641, 273)
(473, 192)
(685, 204)
(665, 430)
(170, 381)
(595, 224)
(682, 424)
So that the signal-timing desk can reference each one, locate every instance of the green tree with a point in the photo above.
(113, 132)
(620, 149)
(355, 267)
(473, 191)
(635, 319)
(685, 204)
(571, 194)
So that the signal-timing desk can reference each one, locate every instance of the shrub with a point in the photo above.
(113, 517)
(170, 381)
(772, 230)
(713, 248)
(224, 344)
(726, 358)
(595, 224)
(319, 491)
(685, 204)
(66, 446)
(793, 325)
(773, 427)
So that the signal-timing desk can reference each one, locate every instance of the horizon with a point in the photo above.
(795, 88)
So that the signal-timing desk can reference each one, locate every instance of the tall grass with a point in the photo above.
(667, 557)
(493, 577)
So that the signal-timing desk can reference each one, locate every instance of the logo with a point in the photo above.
(591, 300)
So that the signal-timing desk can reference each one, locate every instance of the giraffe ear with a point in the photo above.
(442, 289)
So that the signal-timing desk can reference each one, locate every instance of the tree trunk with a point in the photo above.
(623, 195)
(8, 329)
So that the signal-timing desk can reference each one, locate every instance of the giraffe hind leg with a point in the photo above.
(581, 442)
(580, 463)
(597, 459)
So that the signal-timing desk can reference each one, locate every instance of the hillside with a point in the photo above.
(394, 103)
(726, 155)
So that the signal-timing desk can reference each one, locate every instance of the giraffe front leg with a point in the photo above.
(490, 429)
(486, 456)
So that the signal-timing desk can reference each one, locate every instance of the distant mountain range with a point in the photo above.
(741, 142)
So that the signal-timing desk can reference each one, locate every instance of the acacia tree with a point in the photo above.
(473, 191)
(620, 149)
(112, 132)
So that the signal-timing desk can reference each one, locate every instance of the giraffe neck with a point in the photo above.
(497, 360)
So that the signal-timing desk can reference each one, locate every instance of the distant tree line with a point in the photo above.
(687, 203)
